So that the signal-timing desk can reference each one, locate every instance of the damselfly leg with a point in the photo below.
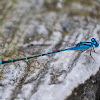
(92, 50)
(91, 55)
(95, 51)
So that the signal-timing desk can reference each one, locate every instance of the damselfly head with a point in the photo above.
(94, 41)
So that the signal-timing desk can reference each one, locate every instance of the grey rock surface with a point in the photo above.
(59, 23)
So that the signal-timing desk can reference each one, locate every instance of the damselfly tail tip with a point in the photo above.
(0, 62)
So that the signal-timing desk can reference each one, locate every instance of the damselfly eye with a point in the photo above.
(93, 40)
(97, 44)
